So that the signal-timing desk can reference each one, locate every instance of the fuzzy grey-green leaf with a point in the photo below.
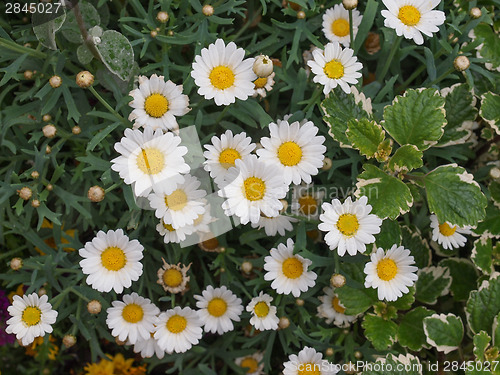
(117, 53)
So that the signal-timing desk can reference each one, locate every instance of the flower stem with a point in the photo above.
(442, 76)
(21, 49)
(85, 35)
(351, 33)
(106, 104)
(388, 62)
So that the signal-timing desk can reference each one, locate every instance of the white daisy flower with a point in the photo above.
(288, 271)
(350, 226)
(332, 310)
(223, 152)
(335, 66)
(148, 348)
(202, 222)
(306, 201)
(133, 319)
(262, 85)
(156, 103)
(31, 317)
(172, 277)
(263, 314)
(296, 149)
(218, 307)
(448, 235)
(412, 18)
(149, 159)
(181, 206)
(253, 187)
(178, 330)
(273, 225)
(112, 261)
(390, 273)
(171, 235)
(222, 74)
(252, 363)
(309, 361)
(336, 24)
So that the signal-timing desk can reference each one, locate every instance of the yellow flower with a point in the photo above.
(104, 367)
(51, 242)
(122, 365)
(33, 350)
(19, 292)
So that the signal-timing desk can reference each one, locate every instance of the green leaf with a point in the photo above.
(433, 282)
(405, 159)
(491, 44)
(338, 109)
(90, 16)
(84, 55)
(496, 330)
(482, 254)
(494, 189)
(380, 332)
(491, 224)
(444, 332)
(45, 27)
(390, 234)
(388, 195)
(483, 305)
(411, 328)
(365, 135)
(356, 300)
(490, 110)
(116, 53)
(464, 276)
(414, 241)
(454, 196)
(460, 110)
(405, 301)
(481, 341)
(417, 118)
(404, 365)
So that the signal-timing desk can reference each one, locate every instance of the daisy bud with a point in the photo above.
(345, 332)
(495, 173)
(372, 43)
(350, 4)
(42, 292)
(46, 118)
(84, 79)
(153, 33)
(50, 187)
(475, 12)
(94, 307)
(246, 267)
(284, 322)
(162, 17)
(329, 352)
(170, 33)
(16, 263)
(461, 63)
(96, 193)
(48, 149)
(208, 10)
(327, 164)
(49, 131)
(69, 341)
(76, 130)
(28, 45)
(337, 280)
(301, 15)
(28, 74)
(350, 368)
(35, 203)
(25, 193)
(299, 302)
(35, 174)
(55, 81)
(358, 354)
(263, 66)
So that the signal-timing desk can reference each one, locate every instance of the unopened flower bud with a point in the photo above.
(329, 352)
(69, 341)
(96, 193)
(246, 267)
(162, 17)
(16, 263)
(350, 4)
(301, 14)
(49, 131)
(47, 118)
(94, 307)
(50, 187)
(25, 193)
(358, 354)
(299, 302)
(327, 164)
(170, 33)
(153, 33)
(263, 66)
(84, 79)
(208, 10)
(461, 63)
(475, 12)
(48, 149)
(495, 173)
(76, 130)
(337, 280)
(28, 74)
(42, 291)
(35, 203)
(55, 81)
(284, 322)
(35, 174)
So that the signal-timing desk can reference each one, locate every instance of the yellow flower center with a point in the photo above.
(409, 15)
(348, 224)
(113, 258)
(446, 230)
(168, 227)
(334, 69)
(156, 105)
(260, 82)
(387, 269)
(217, 307)
(132, 313)
(261, 309)
(292, 268)
(250, 363)
(340, 27)
(151, 161)
(289, 154)
(309, 369)
(221, 77)
(228, 156)
(254, 188)
(211, 243)
(31, 316)
(308, 205)
(176, 324)
(337, 306)
(177, 200)
(172, 277)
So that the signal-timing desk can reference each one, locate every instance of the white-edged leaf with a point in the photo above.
(444, 332)
(490, 110)
(433, 282)
(116, 53)
(406, 158)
